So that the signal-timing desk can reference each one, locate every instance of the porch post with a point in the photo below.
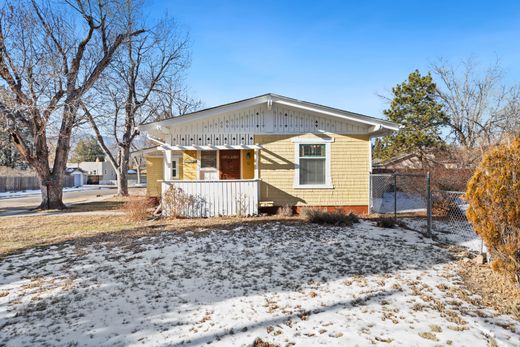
(167, 165)
(257, 164)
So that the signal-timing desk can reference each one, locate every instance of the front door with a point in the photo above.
(229, 164)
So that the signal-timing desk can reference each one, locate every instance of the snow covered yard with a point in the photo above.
(286, 283)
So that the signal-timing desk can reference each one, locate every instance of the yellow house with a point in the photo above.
(265, 152)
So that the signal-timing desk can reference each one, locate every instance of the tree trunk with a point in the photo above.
(122, 172)
(52, 192)
(122, 182)
(138, 171)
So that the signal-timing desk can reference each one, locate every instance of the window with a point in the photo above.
(208, 165)
(208, 159)
(312, 164)
(312, 159)
(174, 168)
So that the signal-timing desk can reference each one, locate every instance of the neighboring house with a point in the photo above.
(433, 159)
(97, 171)
(80, 177)
(264, 151)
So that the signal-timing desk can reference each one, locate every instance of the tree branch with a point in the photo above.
(99, 137)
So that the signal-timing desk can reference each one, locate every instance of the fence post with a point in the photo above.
(395, 196)
(370, 192)
(429, 203)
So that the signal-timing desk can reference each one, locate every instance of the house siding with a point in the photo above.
(189, 165)
(154, 174)
(248, 165)
(349, 166)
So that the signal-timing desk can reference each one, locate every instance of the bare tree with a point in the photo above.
(144, 74)
(50, 57)
(480, 108)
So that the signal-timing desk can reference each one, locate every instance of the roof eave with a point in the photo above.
(268, 99)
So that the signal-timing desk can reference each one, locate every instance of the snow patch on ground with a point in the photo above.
(406, 203)
(458, 232)
(288, 284)
(8, 195)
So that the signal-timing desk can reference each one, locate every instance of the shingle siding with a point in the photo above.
(350, 165)
(154, 174)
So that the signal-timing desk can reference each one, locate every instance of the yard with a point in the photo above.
(230, 282)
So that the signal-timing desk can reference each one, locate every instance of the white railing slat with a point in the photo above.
(219, 198)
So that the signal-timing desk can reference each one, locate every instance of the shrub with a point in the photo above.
(494, 206)
(321, 216)
(388, 222)
(176, 203)
(137, 207)
(285, 211)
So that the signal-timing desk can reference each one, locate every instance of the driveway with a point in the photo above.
(289, 284)
(23, 205)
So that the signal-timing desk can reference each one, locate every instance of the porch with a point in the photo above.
(213, 198)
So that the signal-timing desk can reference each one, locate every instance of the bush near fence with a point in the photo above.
(22, 183)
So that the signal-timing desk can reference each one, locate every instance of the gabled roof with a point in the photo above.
(271, 98)
(71, 170)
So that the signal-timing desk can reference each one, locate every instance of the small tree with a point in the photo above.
(415, 107)
(494, 195)
(87, 149)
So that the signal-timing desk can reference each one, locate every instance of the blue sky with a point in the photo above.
(338, 53)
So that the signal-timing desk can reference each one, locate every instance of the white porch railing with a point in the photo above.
(218, 198)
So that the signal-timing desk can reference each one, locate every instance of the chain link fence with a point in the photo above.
(450, 222)
(398, 194)
(412, 197)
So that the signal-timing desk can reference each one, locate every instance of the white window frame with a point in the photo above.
(176, 161)
(168, 157)
(312, 141)
(201, 170)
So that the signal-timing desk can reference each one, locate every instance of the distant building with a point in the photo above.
(436, 159)
(97, 171)
(80, 177)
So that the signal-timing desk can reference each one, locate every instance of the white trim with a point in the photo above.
(328, 178)
(167, 167)
(312, 140)
(203, 114)
(200, 169)
(257, 163)
(151, 138)
(325, 112)
(166, 147)
(269, 100)
(313, 186)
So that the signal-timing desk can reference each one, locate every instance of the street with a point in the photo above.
(22, 205)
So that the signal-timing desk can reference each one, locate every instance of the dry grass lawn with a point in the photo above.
(494, 289)
(18, 233)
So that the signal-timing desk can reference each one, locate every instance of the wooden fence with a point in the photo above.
(21, 183)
